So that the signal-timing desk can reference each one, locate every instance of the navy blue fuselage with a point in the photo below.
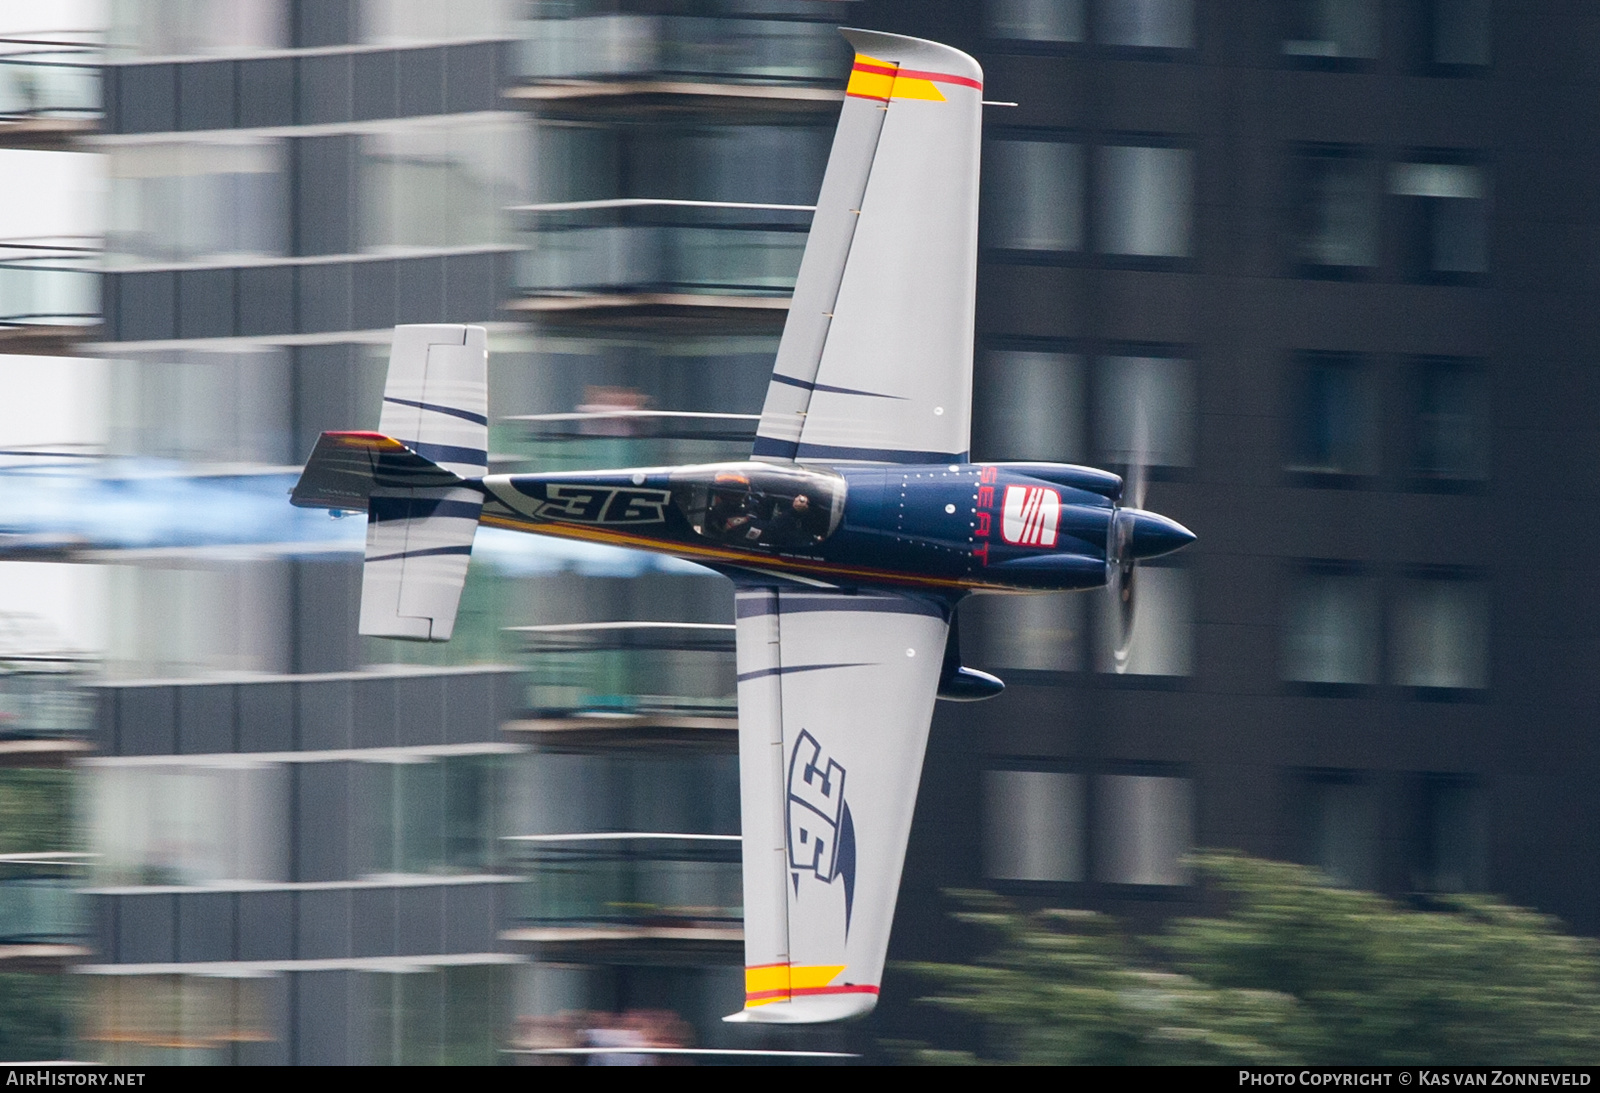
(937, 527)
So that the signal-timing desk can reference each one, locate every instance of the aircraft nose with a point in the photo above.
(1154, 535)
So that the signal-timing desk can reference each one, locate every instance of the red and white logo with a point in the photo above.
(1030, 516)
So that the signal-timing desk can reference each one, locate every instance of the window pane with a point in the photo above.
(1037, 20)
(193, 201)
(1331, 629)
(1448, 839)
(1334, 212)
(201, 619)
(1446, 216)
(1331, 28)
(1145, 408)
(392, 22)
(190, 1019)
(1034, 828)
(1335, 424)
(1441, 634)
(1030, 406)
(1461, 32)
(1033, 195)
(1144, 827)
(201, 406)
(177, 27)
(1451, 428)
(1145, 201)
(1340, 828)
(188, 824)
(1156, 24)
(1040, 631)
(440, 184)
(574, 163)
(1162, 642)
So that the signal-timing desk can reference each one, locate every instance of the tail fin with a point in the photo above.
(415, 482)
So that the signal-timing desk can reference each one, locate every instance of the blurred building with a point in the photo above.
(308, 851)
(296, 839)
(1322, 262)
(1325, 257)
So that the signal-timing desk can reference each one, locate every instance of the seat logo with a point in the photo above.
(1030, 516)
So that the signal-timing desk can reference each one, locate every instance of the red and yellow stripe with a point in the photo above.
(696, 553)
(766, 983)
(366, 442)
(871, 78)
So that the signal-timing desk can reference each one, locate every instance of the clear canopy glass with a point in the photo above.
(760, 505)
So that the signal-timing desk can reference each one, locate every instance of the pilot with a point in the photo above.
(789, 521)
(729, 515)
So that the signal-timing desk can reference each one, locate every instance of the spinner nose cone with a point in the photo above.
(1154, 535)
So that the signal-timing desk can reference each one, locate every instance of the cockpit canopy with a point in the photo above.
(760, 505)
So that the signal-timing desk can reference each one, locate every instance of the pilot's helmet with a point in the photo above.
(731, 480)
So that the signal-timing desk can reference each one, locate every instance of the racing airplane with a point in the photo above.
(851, 532)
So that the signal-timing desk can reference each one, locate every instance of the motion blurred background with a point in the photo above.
(1337, 255)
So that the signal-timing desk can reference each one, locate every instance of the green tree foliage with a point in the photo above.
(36, 816)
(1293, 971)
(35, 811)
(35, 1016)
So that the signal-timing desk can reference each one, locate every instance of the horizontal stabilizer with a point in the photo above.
(436, 398)
(345, 469)
(420, 521)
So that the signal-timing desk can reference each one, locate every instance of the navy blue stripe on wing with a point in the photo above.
(453, 411)
(448, 453)
(875, 455)
(793, 603)
(426, 552)
(807, 385)
(778, 449)
(761, 673)
(381, 509)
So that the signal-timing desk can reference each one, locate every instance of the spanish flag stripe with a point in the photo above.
(879, 69)
(939, 77)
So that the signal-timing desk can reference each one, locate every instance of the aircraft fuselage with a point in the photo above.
(954, 527)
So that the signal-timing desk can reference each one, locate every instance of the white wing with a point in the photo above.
(875, 364)
(836, 692)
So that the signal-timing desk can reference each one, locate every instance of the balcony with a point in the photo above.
(49, 295)
(49, 92)
(647, 259)
(616, 891)
(45, 715)
(617, 683)
(628, 64)
(43, 917)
